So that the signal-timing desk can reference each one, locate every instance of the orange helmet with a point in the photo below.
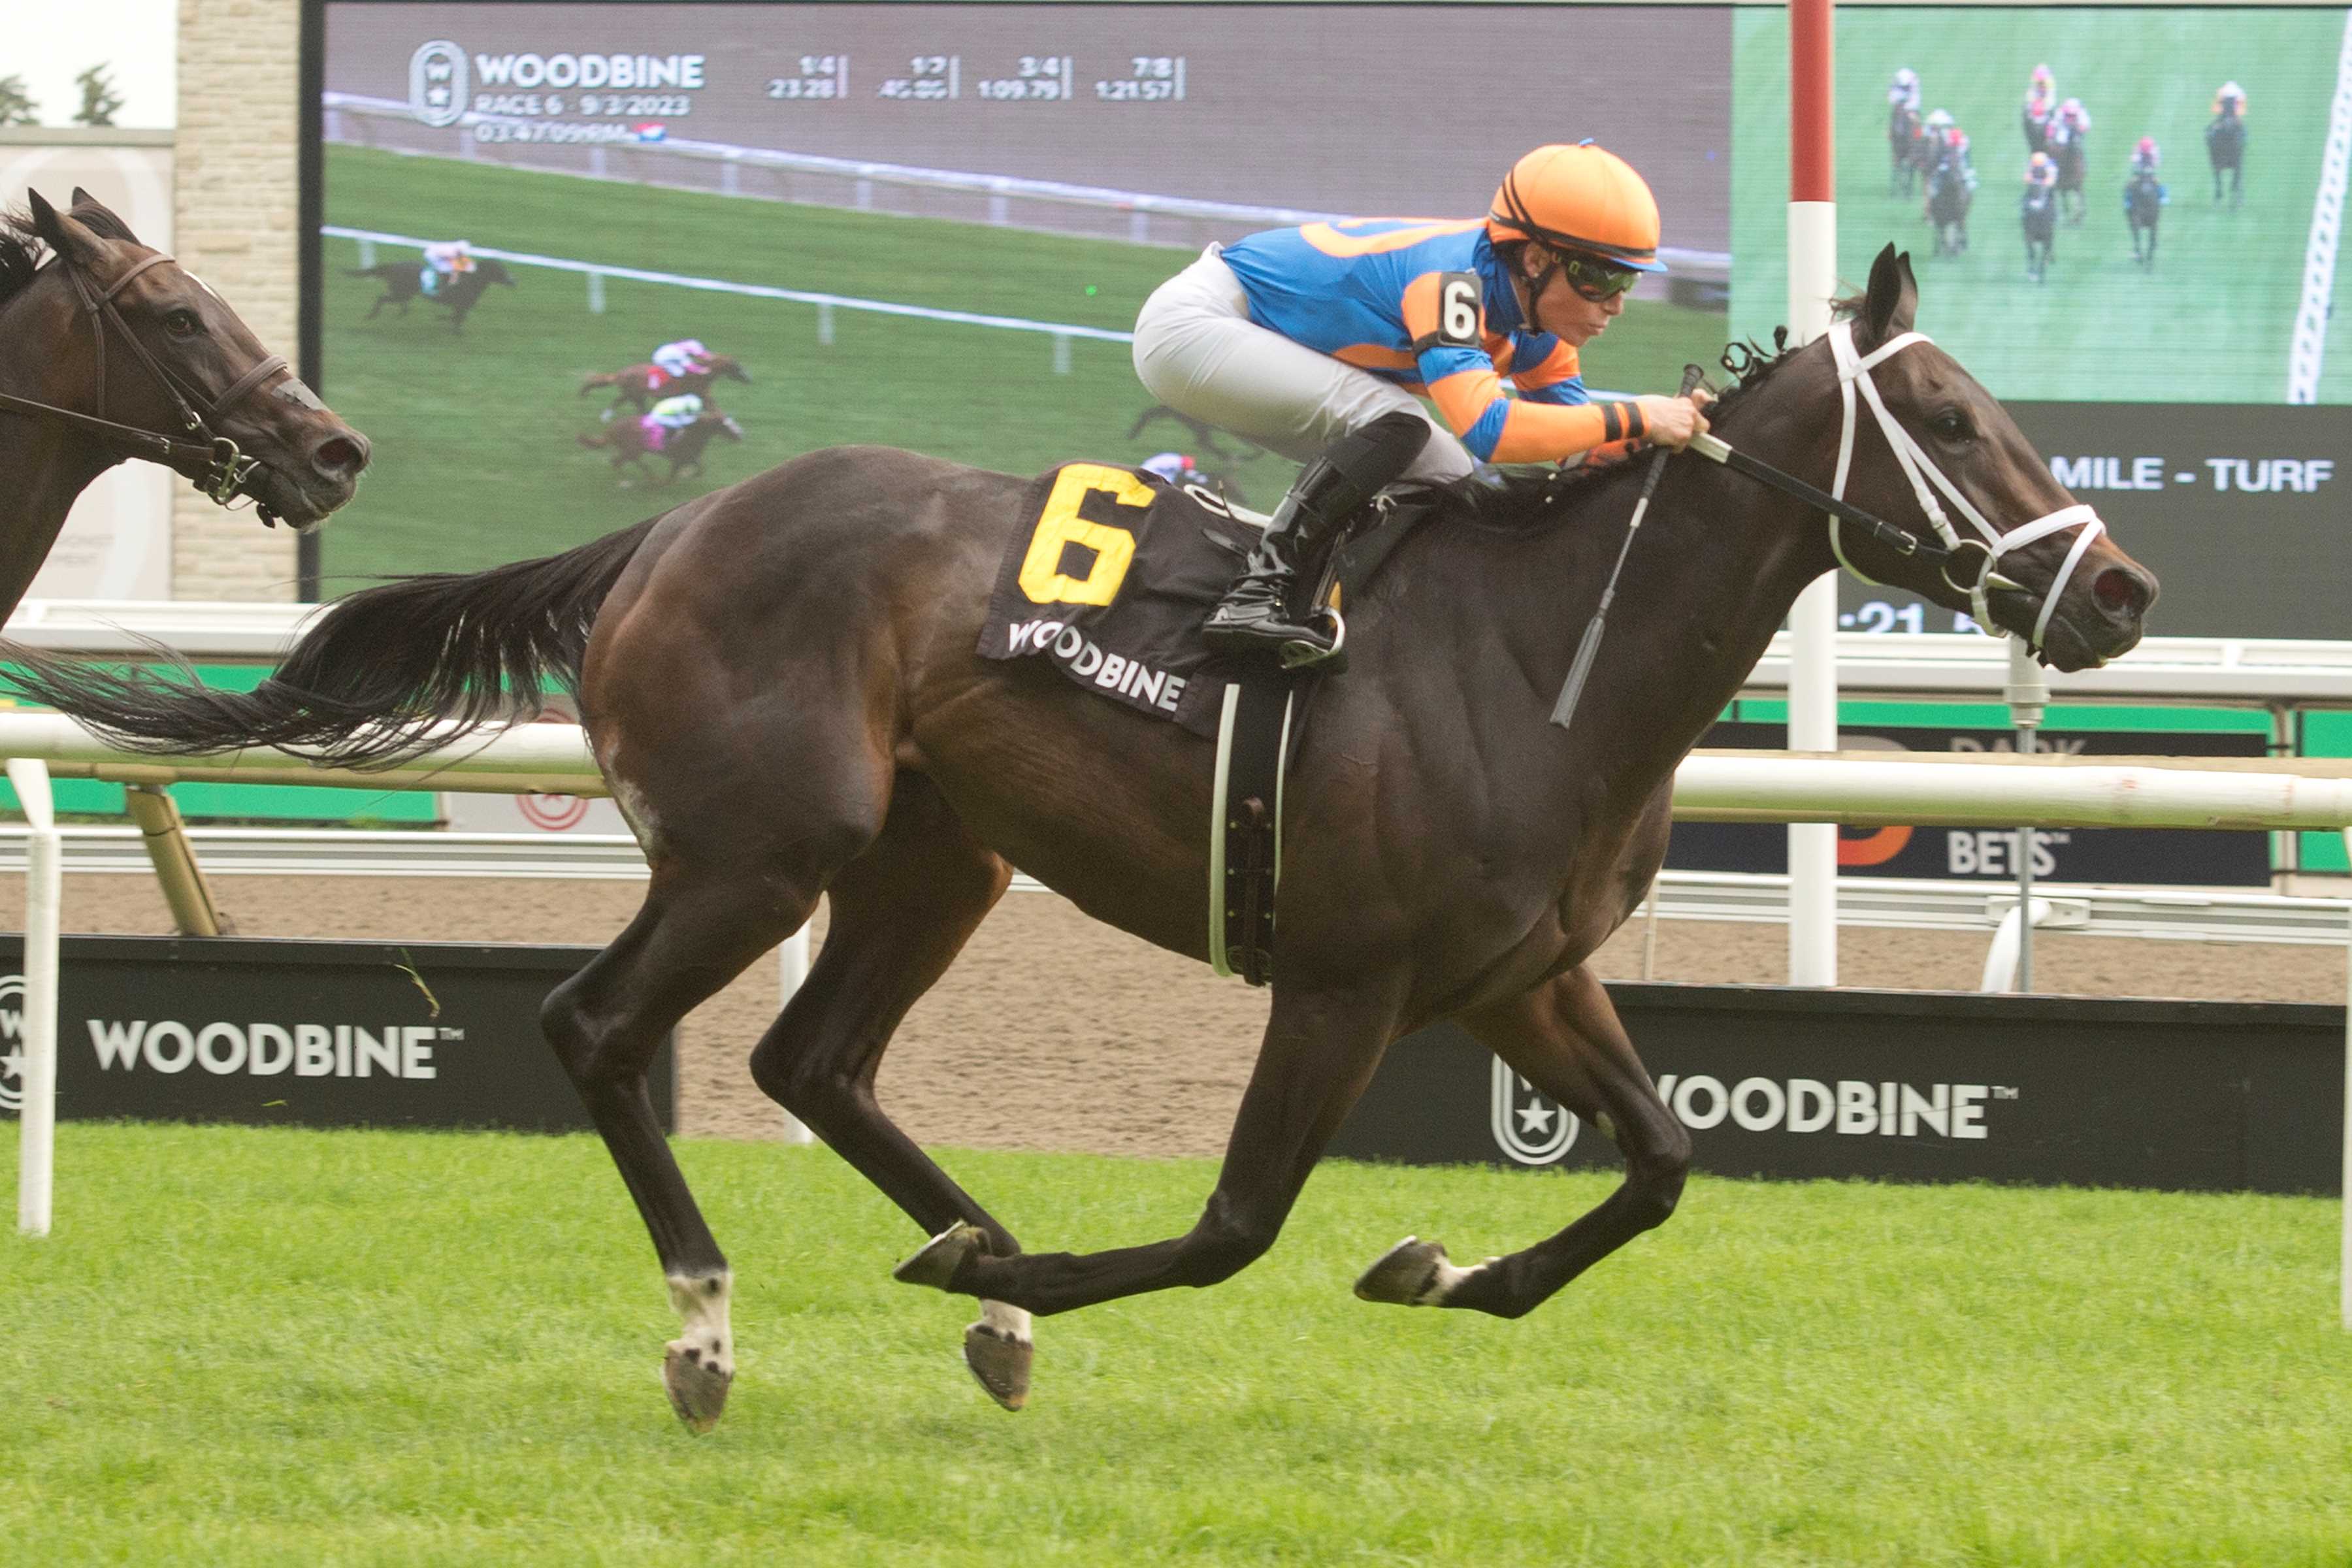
(1578, 198)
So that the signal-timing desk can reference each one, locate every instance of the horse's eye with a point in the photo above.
(1951, 425)
(182, 324)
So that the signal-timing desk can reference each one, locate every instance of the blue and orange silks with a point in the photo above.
(1367, 291)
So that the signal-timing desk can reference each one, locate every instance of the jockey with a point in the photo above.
(685, 357)
(2069, 124)
(2147, 158)
(1312, 341)
(2041, 104)
(670, 415)
(2041, 174)
(444, 258)
(2229, 102)
(1905, 90)
(1176, 468)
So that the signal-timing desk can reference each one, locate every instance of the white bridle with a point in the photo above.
(1920, 469)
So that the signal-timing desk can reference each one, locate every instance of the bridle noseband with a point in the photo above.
(221, 468)
(1854, 369)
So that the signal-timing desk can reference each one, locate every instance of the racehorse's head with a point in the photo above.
(730, 367)
(187, 355)
(492, 270)
(1940, 447)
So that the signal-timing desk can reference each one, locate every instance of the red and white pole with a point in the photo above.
(1813, 624)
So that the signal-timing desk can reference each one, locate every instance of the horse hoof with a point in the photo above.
(1409, 1274)
(937, 1264)
(1001, 1362)
(697, 1388)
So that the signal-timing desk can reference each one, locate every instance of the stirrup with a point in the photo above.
(1298, 655)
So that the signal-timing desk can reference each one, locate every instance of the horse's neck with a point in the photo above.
(1711, 576)
(45, 464)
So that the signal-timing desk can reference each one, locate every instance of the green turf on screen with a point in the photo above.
(265, 1347)
(476, 460)
(2211, 324)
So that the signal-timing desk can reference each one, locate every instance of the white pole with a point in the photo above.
(2028, 697)
(595, 293)
(791, 968)
(37, 1130)
(1813, 625)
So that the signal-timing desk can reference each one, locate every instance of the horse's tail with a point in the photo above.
(600, 378)
(384, 675)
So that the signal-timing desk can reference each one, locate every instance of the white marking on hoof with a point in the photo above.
(1413, 1273)
(937, 1263)
(999, 1351)
(699, 1367)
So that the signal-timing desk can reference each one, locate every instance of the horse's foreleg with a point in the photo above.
(900, 914)
(1321, 1046)
(689, 939)
(1563, 1038)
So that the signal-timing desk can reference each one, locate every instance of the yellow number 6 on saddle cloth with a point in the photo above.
(1059, 524)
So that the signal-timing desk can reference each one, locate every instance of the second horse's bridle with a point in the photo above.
(219, 468)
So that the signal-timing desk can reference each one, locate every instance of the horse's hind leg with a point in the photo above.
(1322, 1044)
(1563, 1038)
(900, 914)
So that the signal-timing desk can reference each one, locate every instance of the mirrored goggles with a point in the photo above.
(1595, 279)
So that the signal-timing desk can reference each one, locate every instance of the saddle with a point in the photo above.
(1111, 583)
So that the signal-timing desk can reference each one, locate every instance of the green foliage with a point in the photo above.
(99, 98)
(476, 458)
(267, 1347)
(18, 106)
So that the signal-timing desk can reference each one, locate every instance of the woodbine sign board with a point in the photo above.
(1912, 1086)
(312, 1033)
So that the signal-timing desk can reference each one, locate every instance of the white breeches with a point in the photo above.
(1198, 351)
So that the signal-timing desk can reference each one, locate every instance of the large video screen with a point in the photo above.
(932, 226)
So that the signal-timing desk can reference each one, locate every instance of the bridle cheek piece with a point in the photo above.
(1854, 369)
(221, 467)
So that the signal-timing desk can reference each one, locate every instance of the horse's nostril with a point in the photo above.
(2120, 592)
(340, 456)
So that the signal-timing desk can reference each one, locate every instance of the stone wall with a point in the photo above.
(237, 220)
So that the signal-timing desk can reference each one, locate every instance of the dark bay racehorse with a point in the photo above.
(640, 384)
(2225, 149)
(108, 351)
(2069, 153)
(2038, 213)
(628, 442)
(2143, 209)
(780, 682)
(459, 296)
(1948, 200)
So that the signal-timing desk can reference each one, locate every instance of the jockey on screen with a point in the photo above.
(671, 414)
(685, 357)
(2229, 102)
(2069, 124)
(2041, 104)
(1176, 468)
(2040, 174)
(444, 258)
(1905, 90)
(2147, 158)
(1313, 342)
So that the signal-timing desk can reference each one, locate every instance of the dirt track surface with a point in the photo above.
(1055, 1032)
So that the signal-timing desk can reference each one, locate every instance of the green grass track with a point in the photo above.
(2210, 323)
(476, 460)
(273, 1347)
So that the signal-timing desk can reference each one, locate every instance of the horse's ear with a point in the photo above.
(61, 233)
(1893, 298)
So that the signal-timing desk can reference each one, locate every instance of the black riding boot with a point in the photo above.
(1255, 614)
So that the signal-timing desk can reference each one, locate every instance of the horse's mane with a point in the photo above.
(22, 249)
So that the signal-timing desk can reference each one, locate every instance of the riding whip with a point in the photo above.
(1563, 712)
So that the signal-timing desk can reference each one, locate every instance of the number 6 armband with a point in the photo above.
(1445, 310)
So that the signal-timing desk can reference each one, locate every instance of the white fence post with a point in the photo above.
(595, 293)
(367, 253)
(1061, 354)
(824, 326)
(791, 968)
(37, 1129)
